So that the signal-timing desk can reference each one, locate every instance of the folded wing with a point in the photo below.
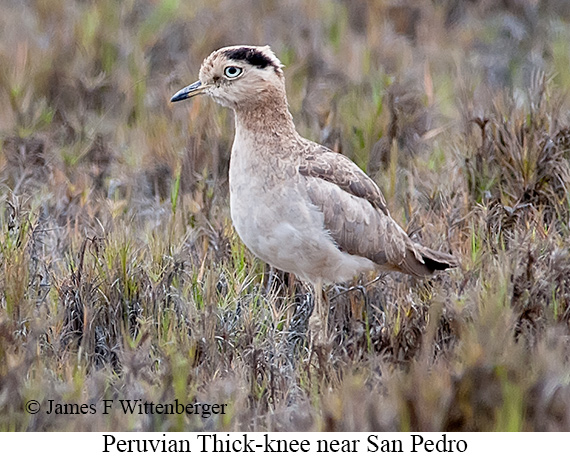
(356, 215)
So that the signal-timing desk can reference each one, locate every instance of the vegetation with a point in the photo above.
(121, 276)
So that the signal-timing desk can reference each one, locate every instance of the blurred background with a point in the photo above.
(88, 83)
(122, 276)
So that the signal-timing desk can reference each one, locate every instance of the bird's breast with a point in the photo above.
(265, 201)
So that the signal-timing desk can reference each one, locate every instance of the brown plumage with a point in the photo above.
(296, 204)
(358, 219)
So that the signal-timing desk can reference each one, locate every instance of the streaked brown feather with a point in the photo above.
(335, 168)
(357, 218)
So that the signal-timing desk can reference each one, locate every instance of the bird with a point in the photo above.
(297, 205)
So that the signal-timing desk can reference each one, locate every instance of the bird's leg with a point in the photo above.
(319, 316)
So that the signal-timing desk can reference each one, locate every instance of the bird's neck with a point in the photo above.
(267, 118)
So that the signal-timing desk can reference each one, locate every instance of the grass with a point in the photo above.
(121, 276)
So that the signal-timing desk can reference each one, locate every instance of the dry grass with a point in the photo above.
(122, 277)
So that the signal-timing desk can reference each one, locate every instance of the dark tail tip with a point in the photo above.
(438, 264)
(436, 260)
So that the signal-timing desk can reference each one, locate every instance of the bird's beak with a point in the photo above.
(189, 91)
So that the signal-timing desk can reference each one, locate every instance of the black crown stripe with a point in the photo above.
(250, 55)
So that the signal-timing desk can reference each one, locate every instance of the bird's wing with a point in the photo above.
(357, 218)
(354, 209)
(340, 170)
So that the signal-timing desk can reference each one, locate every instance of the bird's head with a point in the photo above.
(237, 76)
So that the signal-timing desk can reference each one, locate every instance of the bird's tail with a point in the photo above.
(422, 261)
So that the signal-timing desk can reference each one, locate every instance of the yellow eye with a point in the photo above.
(232, 72)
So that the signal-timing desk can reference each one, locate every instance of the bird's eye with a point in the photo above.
(232, 72)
